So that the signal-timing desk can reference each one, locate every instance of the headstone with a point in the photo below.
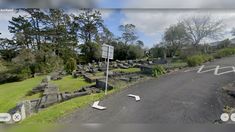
(100, 83)
(40, 88)
(79, 67)
(110, 73)
(56, 76)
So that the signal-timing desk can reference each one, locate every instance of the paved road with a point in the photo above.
(182, 97)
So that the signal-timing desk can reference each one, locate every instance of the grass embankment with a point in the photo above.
(48, 117)
(12, 93)
(129, 70)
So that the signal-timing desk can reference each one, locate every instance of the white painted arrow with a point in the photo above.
(97, 106)
(137, 98)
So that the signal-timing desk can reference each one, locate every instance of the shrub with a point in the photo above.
(2, 66)
(158, 70)
(8, 77)
(24, 73)
(70, 65)
(14, 75)
(198, 59)
(224, 52)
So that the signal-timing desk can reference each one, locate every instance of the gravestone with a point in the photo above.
(56, 76)
(40, 88)
(100, 83)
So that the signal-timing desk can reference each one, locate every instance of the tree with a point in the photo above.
(224, 44)
(91, 50)
(89, 23)
(175, 37)
(140, 43)
(201, 27)
(135, 52)
(71, 65)
(128, 33)
(61, 34)
(21, 28)
(157, 51)
(38, 19)
(106, 37)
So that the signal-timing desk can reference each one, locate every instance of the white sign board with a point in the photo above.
(107, 51)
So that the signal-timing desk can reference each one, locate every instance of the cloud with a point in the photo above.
(154, 22)
(7, 14)
(106, 13)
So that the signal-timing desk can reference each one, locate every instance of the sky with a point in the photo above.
(151, 17)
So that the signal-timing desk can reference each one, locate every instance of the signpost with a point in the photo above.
(107, 53)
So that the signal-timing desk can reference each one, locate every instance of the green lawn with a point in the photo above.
(48, 117)
(70, 84)
(129, 70)
(12, 93)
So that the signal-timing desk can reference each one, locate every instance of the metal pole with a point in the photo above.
(107, 73)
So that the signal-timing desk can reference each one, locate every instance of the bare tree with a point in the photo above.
(201, 27)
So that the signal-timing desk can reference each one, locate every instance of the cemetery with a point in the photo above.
(46, 93)
(55, 62)
(92, 77)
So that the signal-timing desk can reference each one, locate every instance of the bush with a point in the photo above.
(46, 63)
(8, 77)
(24, 73)
(14, 75)
(2, 66)
(198, 59)
(224, 52)
(158, 70)
(70, 65)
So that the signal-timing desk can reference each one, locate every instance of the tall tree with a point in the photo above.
(61, 33)
(106, 37)
(175, 37)
(129, 34)
(140, 43)
(201, 27)
(37, 18)
(21, 28)
(89, 23)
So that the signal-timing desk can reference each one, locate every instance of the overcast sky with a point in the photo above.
(151, 23)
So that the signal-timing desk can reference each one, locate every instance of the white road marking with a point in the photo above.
(216, 69)
(200, 69)
(97, 106)
(137, 98)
